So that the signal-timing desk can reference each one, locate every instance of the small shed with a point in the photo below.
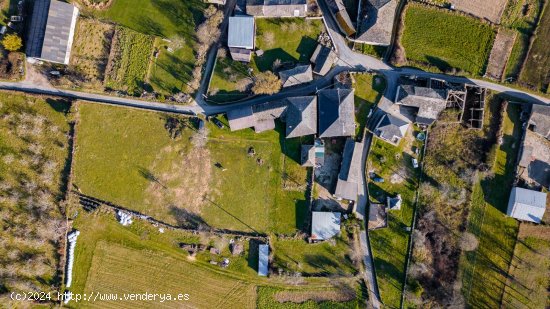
(526, 205)
(263, 259)
(240, 37)
(325, 225)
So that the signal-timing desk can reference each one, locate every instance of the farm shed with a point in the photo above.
(526, 205)
(51, 31)
(301, 116)
(240, 37)
(338, 11)
(323, 58)
(350, 171)
(325, 225)
(299, 75)
(427, 102)
(263, 259)
(240, 118)
(276, 8)
(391, 128)
(336, 112)
(376, 22)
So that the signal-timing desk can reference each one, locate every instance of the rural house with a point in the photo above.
(299, 75)
(325, 225)
(526, 205)
(263, 259)
(240, 37)
(428, 103)
(534, 164)
(51, 31)
(376, 21)
(539, 122)
(301, 116)
(338, 11)
(391, 128)
(349, 176)
(336, 112)
(276, 8)
(323, 58)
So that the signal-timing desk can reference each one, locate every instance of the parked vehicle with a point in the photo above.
(415, 163)
(218, 123)
(16, 18)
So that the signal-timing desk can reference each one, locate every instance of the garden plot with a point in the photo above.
(90, 51)
(486, 9)
(499, 54)
(128, 61)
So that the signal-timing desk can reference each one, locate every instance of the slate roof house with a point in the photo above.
(391, 128)
(301, 116)
(526, 205)
(276, 8)
(350, 171)
(428, 102)
(299, 75)
(539, 122)
(323, 58)
(376, 24)
(338, 11)
(51, 31)
(240, 37)
(325, 225)
(336, 112)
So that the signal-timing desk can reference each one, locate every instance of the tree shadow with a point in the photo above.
(439, 63)
(59, 105)
(265, 62)
(305, 48)
(187, 219)
(253, 254)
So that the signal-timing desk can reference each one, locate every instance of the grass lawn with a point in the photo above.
(267, 298)
(485, 269)
(173, 20)
(371, 50)
(368, 91)
(443, 40)
(34, 154)
(389, 245)
(536, 72)
(127, 157)
(530, 271)
(272, 37)
(229, 80)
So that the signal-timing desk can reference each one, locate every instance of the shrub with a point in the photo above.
(266, 83)
(12, 42)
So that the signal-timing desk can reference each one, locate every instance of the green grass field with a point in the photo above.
(368, 91)
(34, 154)
(129, 66)
(272, 37)
(485, 269)
(228, 80)
(127, 157)
(389, 245)
(442, 40)
(371, 50)
(165, 19)
(536, 72)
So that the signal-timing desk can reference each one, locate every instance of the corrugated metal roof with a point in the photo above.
(526, 205)
(263, 259)
(325, 225)
(241, 32)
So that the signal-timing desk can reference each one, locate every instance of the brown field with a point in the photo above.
(490, 10)
(500, 53)
(299, 297)
(91, 50)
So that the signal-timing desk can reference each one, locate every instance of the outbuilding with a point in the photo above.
(526, 205)
(263, 259)
(325, 225)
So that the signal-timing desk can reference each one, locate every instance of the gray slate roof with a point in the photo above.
(350, 171)
(307, 155)
(301, 116)
(377, 26)
(338, 10)
(430, 102)
(540, 117)
(51, 31)
(391, 128)
(325, 225)
(240, 118)
(323, 58)
(241, 32)
(336, 112)
(276, 8)
(526, 205)
(263, 259)
(296, 76)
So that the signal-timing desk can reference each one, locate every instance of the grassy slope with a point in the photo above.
(167, 19)
(295, 48)
(536, 72)
(368, 91)
(389, 245)
(484, 270)
(33, 154)
(445, 40)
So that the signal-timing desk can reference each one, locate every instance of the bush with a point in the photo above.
(12, 42)
(266, 83)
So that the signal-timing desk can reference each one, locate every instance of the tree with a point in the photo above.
(266, 83)
(12, 42)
